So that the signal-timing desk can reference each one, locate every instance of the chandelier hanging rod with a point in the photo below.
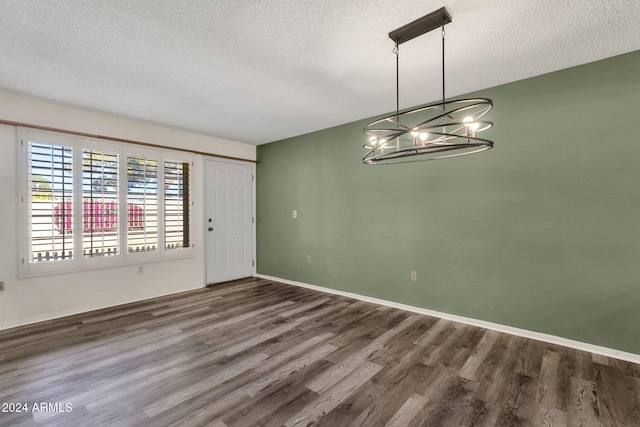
(421, 26)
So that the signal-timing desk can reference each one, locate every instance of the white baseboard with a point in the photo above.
(552, 339)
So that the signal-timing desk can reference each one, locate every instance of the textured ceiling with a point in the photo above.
(263, 70)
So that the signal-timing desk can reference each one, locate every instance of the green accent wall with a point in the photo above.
(541, 233)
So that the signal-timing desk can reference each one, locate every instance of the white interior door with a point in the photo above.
(228, 220)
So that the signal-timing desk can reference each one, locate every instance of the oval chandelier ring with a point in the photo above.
(429, 130)
(439, 130)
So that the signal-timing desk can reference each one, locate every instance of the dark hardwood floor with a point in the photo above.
(256, 352)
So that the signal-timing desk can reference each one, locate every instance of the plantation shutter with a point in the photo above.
(50, 197)
(176, 205)
(142, 204)
(100, 203)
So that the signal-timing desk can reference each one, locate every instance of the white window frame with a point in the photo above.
(92, 263)
(24, 230)
(182, 157)
(143, 257)
(124, 258)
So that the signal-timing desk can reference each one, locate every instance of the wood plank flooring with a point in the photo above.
(256, 352)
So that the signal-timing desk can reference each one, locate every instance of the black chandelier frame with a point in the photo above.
(439, 130)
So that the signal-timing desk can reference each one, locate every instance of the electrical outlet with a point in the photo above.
(140, 270)
(1, 286)
(414, 276)
(308, 259)
(295, 214)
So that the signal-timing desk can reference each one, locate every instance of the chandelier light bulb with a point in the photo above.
(469, 123)
(424, 136)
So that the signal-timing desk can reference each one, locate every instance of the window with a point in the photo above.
(50, 202)
(92, 204)
(100, 203)
(176, 205)
(142, 204)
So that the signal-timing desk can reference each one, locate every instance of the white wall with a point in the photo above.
(40, 298)
(26, 110)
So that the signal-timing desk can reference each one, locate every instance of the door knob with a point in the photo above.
(210, 228)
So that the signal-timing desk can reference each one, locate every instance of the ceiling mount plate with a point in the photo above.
(421, 26)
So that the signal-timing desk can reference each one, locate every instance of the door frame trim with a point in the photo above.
(204, 208)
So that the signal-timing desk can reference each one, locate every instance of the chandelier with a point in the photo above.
(435, 131)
